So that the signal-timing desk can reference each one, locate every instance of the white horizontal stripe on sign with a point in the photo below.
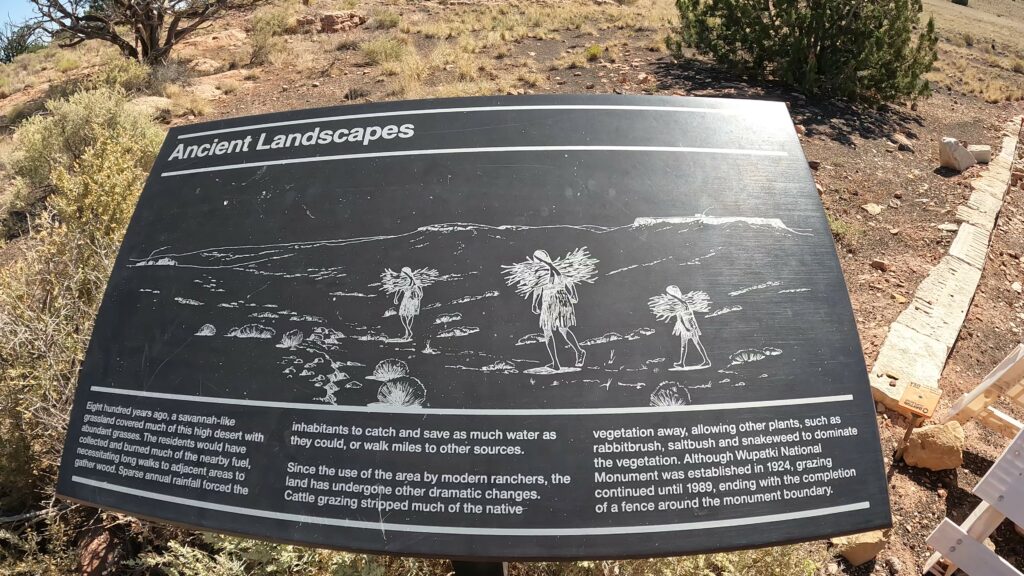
(752, 110)
(436, 151)
(473, 530)
(475, 411)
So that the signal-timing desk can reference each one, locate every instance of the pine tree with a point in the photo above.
(842, 48)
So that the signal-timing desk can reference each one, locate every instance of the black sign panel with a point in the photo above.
(545, 327)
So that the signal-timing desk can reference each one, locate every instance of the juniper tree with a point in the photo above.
(145, 30)
(846, 48)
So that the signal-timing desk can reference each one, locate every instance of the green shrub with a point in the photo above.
(844, 48)
(92, 153)
(122, 73)
(593, 53)
(72, 127)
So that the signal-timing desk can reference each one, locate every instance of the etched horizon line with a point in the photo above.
(459, 226)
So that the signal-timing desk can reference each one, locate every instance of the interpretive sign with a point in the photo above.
(515, 328)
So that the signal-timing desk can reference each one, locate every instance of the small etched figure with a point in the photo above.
(674, 305)
(407, 286)
(551, 287)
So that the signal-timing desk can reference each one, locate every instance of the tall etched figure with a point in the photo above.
(551, 287)
(407, 286)
(674, 305)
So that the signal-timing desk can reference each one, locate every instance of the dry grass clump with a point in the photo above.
(383, 19)
(228, 86)
(385, 49)
(185, 103)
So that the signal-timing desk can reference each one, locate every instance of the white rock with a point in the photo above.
(955, 156)
(1016, 287)
(981, 152)
(872, 208)
(948, 227)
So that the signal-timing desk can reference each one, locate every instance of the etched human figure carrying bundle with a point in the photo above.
(407, 286)
(674, 305)
(551, 287)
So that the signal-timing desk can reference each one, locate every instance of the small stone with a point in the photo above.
(590, 86)
(894, 203)
(894, 231)
(315, 84)
(577, 73)
(881, 265)
(872, 208)
(897, 194)
(819, 188)
(942, 493)
(860, 548)
(948, 227)
(936, 447)
(1016, 287)
(899, 298)
(814, 164)
(893, 566)
(879, 407)
(891, 146)
(800, 129)
(902, 143)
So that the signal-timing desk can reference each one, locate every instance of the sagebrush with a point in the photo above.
(91, 154)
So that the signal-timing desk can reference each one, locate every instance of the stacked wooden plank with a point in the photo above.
(961, 545)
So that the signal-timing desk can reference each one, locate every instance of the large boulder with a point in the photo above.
(860, 548)
(953, 155)
(936, 447)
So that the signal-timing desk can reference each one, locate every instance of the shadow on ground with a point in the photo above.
(833, 119)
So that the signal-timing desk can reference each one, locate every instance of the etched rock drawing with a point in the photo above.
(673, 305)
(407, 286)
(551, 286)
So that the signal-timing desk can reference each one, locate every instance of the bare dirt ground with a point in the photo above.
(436, 49)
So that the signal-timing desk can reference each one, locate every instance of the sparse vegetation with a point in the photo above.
(593, 52)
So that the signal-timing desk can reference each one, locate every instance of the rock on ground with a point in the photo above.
(953, 155)
(203, 66)
(936, 447)
(982, 152)
(860, 548)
